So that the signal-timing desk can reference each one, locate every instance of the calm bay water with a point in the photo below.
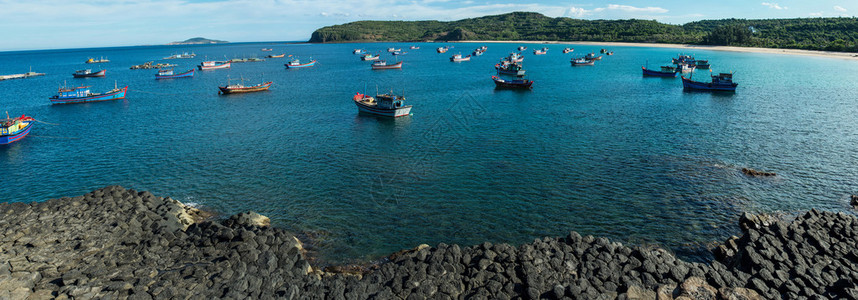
(599, 150)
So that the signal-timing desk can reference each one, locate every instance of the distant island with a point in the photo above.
(197, 41)
(827, 34)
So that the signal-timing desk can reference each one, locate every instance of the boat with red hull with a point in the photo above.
(14, 129)
(82, 94)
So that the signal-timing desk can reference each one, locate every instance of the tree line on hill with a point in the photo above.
(830, 34)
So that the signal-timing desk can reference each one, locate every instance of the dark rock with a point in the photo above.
(853, 200)
(755, 173)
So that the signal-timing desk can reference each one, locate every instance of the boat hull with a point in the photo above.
(8, 139)
(393, 113)
(96, 74)
(508, 72)
(388, 67)
(588, 63)
(215, 67)
(689, 84)
(227, 90)
(648, 72)
(183, 75)
(117, 95)
(309, 64)
(512, 84)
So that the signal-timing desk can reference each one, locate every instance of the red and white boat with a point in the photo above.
(459, 57)
(382, 65)
(212, 65)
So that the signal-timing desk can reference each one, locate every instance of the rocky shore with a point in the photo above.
(119, 243)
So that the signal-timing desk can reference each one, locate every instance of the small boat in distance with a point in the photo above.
(95, 61)
(522, 48)
(399, 53)
(277, 56)
(512, 84)
(358, 51)
(610, 53)
(241, 88)
(393, 49)
(14, 129)
(386, 105)
(414, 48)
(702, 64)
(442, 49)
(459, 58)
(368, 56)
(567, 50)
(515, 57)
(88, 73)
(592, 56)
(540, 52)
(296, 63)
(83, 95)
(183, 55)
(168, 74)
(267, 49)
(648, 72)
(721, 82)
(583, 62)
(382, 65)
(212, 65)
(510, 68)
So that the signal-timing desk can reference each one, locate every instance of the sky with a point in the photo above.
(59, 24)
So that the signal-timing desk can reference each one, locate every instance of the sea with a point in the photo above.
(600, 150)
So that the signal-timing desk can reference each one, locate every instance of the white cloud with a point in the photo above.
(816, 14)
(774, 5)
(576, 12)
(632, 9)
(839, 8)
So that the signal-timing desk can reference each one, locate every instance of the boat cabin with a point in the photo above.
(78, 92)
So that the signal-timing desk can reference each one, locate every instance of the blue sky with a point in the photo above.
(51, 24)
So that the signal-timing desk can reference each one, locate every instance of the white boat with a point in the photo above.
(459, 57)
(387, 105)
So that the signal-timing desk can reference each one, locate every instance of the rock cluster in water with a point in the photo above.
(121, 243)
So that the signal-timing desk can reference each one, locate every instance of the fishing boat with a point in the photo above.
(592, 56)
(212, 65)
(681, 68)
(509, 68)
(687, 59)
(399, 53)
(567, 50)
(370, 57)
(540, 52)
(277, 56)
(515, 57)
(168, 74)
(183, 55)
(583, 62)
(702, 64)
(358, 51)
(89, 73)
(382, 65)
(241, 88)
(648, 72)
(477, 52)
(387, 105)
(295, 63)
(610, 53)
(95, 61)
(14, 129)
(82, 94)
(393, 49)
(267, 49)
(512, 83)
(603, 51)
(442, 49)
(522, 48)
(459, 58)
(484, 48)
(721, 82)
(413, 47)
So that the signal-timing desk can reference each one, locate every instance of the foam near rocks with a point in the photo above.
(120, 243)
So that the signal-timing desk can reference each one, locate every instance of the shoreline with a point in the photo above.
(815, 53)
(121, 243)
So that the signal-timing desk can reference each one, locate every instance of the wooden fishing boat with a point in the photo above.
(95, 61)
(522, 48)
(241, 88)
(213, 65)
(386, 105)
(592, 56)
(648, 72)
(295, 63)
(89, 73)
(567, 50)
(179, 56)
(277, 56)
(460, 58)
(515, 57)
(83, 95)
(442, 49)
(512, 84)
(721, 82)
(702, 64)
(583, 62)
(168, 74)
(539, 52)
(14, 129)
(509, 68)
(367, 57)
(382, 65)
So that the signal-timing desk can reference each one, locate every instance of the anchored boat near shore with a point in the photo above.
(82, 94)
(296, 63)
(88, 73)
(168, 74)
(241, 88)
(213, 65)
(14, 129)
(386, 105)
(721, 82)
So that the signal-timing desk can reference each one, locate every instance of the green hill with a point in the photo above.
(834, 34)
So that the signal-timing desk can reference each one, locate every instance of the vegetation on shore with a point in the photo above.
(831, 34)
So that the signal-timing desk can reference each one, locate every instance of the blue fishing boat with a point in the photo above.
(14, 129)
(721, 82)
(83, 95)
(168, 74)
(295, 63)
(648, 72)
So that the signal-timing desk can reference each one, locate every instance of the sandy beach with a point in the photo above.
(829, 54)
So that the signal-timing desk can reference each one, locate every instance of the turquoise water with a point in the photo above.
(599, 150)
